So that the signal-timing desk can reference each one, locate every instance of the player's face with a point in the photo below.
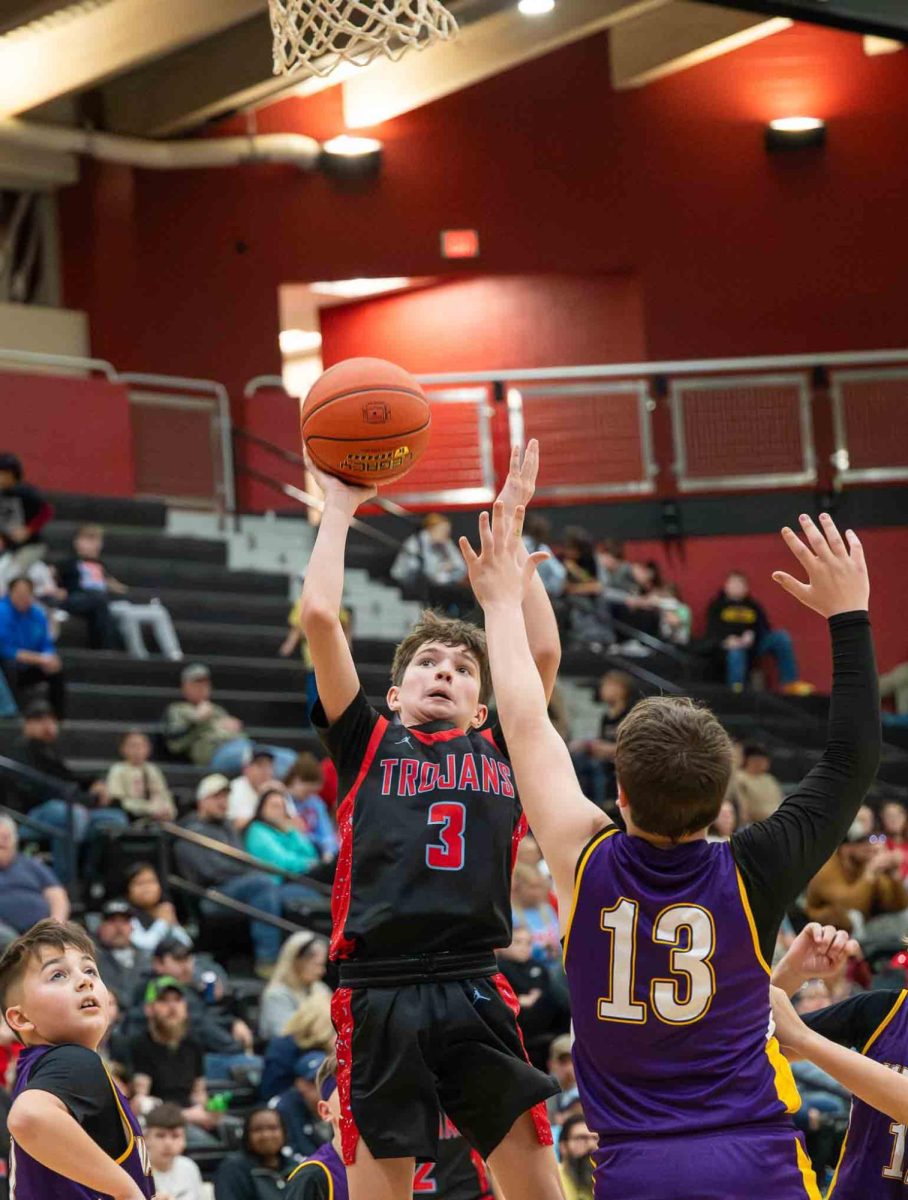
(441, 683)
(61, 999)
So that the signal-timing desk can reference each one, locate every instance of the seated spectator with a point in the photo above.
(309, 1028)
(28, 654)
(123, 966)
(589, 613)
(863, 879)
(261, 1169)
(213, 870)
(298, 975)
(272, 835)
(894, 824)
(114, 1047)
(675, 617)
(543, 1006)
(23, 514)
(759, 793)
(537, 531)
(29, 891)
(560, 1065)
(80, 813)
(175, 1175)
(430, 565)
(304, 783)
(154, 918)
(245, 790)
(137, 784)
(168, 1062)
(725, 824)
(865, 821)
(206, 734)
(298, 1105)
(575, 1150)
(296, 639)
(89, 587)
(533, 910)
(615, 573)
(737, 628)
(594, 759)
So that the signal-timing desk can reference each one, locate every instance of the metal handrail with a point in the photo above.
(62, 788)
(248, 860)
(73, 361)
(238, 906)
(47, 831)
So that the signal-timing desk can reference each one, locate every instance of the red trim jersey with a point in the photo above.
(429, 825)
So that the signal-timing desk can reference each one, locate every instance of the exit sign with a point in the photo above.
(459, 243)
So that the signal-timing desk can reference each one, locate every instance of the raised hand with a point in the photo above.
(348, 496)
(502, 570)
(820, 951)
(520, 484)
(837, 579)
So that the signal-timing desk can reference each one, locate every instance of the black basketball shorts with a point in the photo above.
(408, 1051)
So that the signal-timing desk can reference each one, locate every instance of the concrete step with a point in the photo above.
(136, 541)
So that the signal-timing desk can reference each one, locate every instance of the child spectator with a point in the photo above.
(23, 514)
(154, 918)
(296, 639)
(27, 651)
(175, 1175)
(759, 793)
(304, 783)
(894, 824)
(261, 1169)
(594, 759)
(272, 836)
(533, 910)
(89, 585)
(138, 785)
(298, 974)
(675, 617)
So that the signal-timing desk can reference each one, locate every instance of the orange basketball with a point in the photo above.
(365, 420)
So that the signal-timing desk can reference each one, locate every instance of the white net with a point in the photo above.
(318, 35)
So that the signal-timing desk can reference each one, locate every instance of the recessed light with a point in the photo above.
(796, 133)
(535, 8)
(347, 146)
(797, 124)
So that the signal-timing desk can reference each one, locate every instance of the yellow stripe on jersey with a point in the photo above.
(131, 1137)
(745, 902)
(873, 1037)
(811, 1189)
(314, 1162)
(578, 879)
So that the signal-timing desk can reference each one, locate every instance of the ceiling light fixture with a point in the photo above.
(300, 341)
(345, 145)
(356, 289)
(795, 133)
(535, 8)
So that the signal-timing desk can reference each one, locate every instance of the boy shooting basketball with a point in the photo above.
(667, 936)
(429, 824)
(74, 1136)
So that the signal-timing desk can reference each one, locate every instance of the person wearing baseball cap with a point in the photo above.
(258, 770)
(299, 1104)
(204, 733)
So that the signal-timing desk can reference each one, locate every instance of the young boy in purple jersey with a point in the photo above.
(667, 936)
(872, 1164)
(429, 822)
(74, 1136)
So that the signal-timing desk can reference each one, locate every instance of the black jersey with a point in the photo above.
(458, 1173)
(429, 823)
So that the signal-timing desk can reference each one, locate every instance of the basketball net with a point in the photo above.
(318, 35)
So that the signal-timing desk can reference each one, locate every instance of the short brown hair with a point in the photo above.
(448, 631)
(166, 1116)
(307, 769)
(673, 760)
(57, 935)
(90, 529)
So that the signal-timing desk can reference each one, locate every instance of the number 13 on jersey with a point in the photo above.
(448, 853)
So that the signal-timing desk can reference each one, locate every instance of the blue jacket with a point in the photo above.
(23, 631)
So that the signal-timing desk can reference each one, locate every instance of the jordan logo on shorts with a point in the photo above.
(477, 995)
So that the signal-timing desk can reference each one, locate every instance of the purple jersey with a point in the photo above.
(872, 1165)
(670, 1003)
(327, 1168)
(31, 1180)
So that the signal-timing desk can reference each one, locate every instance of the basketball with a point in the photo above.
(366, 421)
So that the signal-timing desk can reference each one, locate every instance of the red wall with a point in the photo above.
(735, 251)
(705, 562)
(73, 435)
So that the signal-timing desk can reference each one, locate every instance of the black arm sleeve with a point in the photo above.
(309, 1182)
(76, 1076)
(854, 1021)
(779, 856)
(347, 739)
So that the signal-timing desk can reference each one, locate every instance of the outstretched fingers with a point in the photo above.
(793, 586)
(818, 543)
(469, 554)
(833, 537)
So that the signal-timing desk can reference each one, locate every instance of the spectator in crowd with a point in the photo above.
(298, 974)
(79, 813)
(213, 870)
(894, 824)
(560, 1066)
(759, 793)
(675, 617)
(115, 1045)
(298, 1105)
(537, 531)
(304, 785)
(29, 891)
(23, 514)
(737, 627)
(533, 910)
(575, 1149)
(594, 759)
(615, 573)
(273, 837)
(8, 705)
(175, 1175)
(123, 966)
(28, 654)
(261, 1169)
(296, 639)
(894, 686)
(169, 1063)
(725, 824)
(865, 821)
(863, 879)
(89, 585)
(543, 1007)
(204, 733)
(430, 565)
(136, 784)
(310, 1028)
(245, 790)
(154, 918)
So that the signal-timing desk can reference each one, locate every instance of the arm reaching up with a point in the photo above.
(323, 592)
(818, 952)
(561, 817)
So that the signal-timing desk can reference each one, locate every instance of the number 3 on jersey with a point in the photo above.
(447, 854)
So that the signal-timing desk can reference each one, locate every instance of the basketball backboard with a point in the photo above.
(886, 18)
